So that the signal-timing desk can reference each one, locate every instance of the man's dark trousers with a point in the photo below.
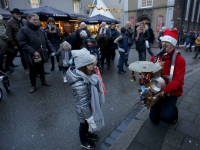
(164, 109)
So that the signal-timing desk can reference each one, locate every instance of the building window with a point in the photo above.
(198, 13)
(77, 6)
(187, 10)
(146, 3)
(193, 11)
(35, 4)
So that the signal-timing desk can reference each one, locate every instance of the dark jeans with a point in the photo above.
(129, 47)
(33, 70)
(197, 51)
(83, 131)
(164, 109)
(142, 55)
(107, 56)
(113, 54)
(149, 50)
(190, 47)
(53, 61)
(10, 58)
(121, 61)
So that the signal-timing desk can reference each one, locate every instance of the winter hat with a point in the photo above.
(82, 58)
(170, 36)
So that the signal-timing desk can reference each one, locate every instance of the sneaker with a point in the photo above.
(120, 72)
(26, 71)
(88, 145)
(65, 79)
(93, 137)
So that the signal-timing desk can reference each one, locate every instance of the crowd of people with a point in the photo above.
(78, 57)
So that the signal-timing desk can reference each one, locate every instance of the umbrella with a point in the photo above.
(99, 19)
(6, 14)
(45, 12)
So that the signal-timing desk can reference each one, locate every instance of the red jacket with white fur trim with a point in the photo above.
(176, 85)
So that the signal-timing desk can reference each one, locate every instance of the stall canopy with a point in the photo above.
(100, 4)
(45, 12)
(6, 14)
(99, 19)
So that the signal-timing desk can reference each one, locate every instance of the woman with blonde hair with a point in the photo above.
(141, 36)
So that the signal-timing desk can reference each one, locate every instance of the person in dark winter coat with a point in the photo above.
(76, 39)
(114, 35)
(129, 33)
(83, 27)
(13, 27)
(54, 35)
(192, 41)
(159, 36)
(141, 36)
(5, 46)
(105, 34)
(35, 44)
(123, 50)
(151, 39)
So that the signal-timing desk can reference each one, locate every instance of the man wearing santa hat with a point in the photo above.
(174, 70)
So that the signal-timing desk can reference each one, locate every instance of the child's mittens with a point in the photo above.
(91, 122)
(70, 61)
(52, 54)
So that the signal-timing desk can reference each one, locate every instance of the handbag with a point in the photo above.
(147, 43)
(38, 59)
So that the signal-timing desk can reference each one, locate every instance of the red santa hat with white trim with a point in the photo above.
(170, 36)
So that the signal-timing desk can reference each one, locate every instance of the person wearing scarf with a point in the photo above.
(13, 26)
(141, 36)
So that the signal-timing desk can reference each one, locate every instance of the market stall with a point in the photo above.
(6, 14)
(93, 23)
(64, 21)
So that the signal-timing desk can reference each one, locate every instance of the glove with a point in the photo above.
(91, 122)
(70, 61)
(52, 54)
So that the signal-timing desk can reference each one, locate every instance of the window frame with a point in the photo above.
(77, 7)
(140, 4)
(34, 3)
(193, 11)
(187, 10)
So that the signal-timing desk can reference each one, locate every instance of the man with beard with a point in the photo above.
(165, 108)
(13, 27)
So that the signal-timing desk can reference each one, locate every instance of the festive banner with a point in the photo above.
(159, 23)
(132, 22)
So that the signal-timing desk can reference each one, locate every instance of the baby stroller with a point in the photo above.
(6, 83)
(91, 45)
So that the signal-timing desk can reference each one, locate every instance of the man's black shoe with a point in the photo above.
(175, 121)
(124, 71)
(88, 145)
(14, 65)
(120, 72)
(92, 137)
(46, 72)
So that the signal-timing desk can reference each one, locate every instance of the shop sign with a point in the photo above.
(60, 15)
(159, 23)
(132, 21)
(93, 21)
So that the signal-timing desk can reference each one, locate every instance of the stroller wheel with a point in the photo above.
(6, 84)
(1, 94)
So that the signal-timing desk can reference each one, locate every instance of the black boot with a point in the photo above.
(52, 68)
(2, 69)
(126, 62)
(108, 67)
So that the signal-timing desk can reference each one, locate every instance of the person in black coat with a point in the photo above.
(129, 33)
(192, 41)
(76, 39)
(54, 35)
(141, 36)
(105, 50)
(151, 39)
(114, 35)
(159, 36)
(35, 44)
(83, 27)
